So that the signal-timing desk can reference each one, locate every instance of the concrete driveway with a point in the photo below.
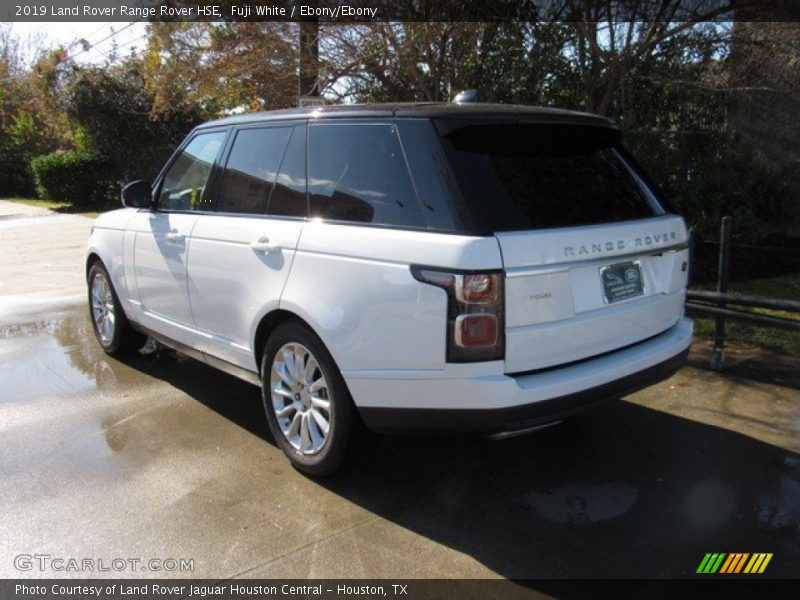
(163, 458)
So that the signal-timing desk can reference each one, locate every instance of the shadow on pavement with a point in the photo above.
(752, 365)
(624, 491)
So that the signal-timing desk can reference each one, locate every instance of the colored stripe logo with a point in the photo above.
(734, 562)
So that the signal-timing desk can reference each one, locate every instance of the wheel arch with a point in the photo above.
(268, 323)
(92, 258)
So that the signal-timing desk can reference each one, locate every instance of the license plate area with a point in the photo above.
(621, 281)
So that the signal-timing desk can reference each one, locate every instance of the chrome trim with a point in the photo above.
(213, 361)
(550, 268)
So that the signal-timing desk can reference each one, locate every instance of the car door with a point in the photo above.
(161, 238)
(242, 252)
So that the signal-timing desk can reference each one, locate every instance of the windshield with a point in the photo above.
(518, 176)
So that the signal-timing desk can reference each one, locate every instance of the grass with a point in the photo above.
(786, 287)
(48, 204)
(54, 205)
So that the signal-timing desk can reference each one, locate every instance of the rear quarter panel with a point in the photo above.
(354, 286)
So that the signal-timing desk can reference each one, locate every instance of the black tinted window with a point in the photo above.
(184, 184)
(540, 176)
(289, 196)
(251, 169)
(357, 173)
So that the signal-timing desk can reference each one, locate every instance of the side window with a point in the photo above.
(186, 179)
(251, 168)
(356, 172)
(289, 197)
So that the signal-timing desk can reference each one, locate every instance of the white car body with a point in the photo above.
(209, 284)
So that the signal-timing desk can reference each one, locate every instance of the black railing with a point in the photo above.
(718, 304)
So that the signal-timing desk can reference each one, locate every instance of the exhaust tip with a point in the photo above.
(512, 433)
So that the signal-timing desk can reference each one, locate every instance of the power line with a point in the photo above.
(88, 48)
(128, 43)
(103, 26)
(113, 34)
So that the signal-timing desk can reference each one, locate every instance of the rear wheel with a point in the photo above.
(306, 401)
(111, 328)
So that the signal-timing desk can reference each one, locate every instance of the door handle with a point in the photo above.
(174, 236)
(262, 245)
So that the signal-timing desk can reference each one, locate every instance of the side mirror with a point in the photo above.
(137, 194)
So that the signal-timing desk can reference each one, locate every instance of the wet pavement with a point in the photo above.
(162, 457)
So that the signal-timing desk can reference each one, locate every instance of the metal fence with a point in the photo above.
(723, 305)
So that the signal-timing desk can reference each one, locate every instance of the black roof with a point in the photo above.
(442, 110)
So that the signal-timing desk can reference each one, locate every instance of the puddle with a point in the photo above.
(56, 356)
(579, 504)
(710, 504)
(784, 509)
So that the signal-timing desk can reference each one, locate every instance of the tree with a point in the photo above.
(251, 66)
(115, 113)
(31, 119)
(399, 61)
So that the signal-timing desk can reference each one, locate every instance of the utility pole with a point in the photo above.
(309, 57)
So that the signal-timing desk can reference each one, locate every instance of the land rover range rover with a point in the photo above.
(407, 267)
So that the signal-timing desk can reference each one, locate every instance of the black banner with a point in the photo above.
(364, 11)
(409, 589)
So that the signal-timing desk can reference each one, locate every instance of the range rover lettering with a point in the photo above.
(401, 268)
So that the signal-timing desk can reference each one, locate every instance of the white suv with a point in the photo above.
(408, 267)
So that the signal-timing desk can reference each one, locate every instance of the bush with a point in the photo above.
(114, 111)
(76, 177)
(15, 175)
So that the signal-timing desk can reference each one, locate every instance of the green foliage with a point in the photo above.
(77, 177)
(39, 203)
(13, 170)
(525, 63)
(31, 122)
(22, 140)
(112, 111)
(707, 176)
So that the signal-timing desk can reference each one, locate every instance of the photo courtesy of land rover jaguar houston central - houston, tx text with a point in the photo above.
(429, 267)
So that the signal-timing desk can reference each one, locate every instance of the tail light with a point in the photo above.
(475, 319)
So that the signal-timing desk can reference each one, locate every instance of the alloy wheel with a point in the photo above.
(300, 398)
(103, 309)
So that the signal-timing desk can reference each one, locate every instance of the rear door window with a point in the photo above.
(289, 197)
(250, 171)
(518, 177)
(357, 173)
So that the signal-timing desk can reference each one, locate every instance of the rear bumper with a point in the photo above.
(491, 403)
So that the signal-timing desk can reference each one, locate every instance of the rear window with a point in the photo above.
(517, 177)
(357, 173)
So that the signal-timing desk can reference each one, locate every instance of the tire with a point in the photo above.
(298, 430)
(118, 338)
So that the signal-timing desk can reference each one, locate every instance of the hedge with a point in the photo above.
(76, 177)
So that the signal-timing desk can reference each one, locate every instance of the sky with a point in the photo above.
(36, 36)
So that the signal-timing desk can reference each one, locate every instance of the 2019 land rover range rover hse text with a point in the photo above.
(406, 267)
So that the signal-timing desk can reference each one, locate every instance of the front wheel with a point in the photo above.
(111, 327)
(306, 401)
